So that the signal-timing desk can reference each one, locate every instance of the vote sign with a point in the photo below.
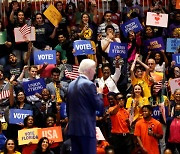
(34, 86)
(46, 56)
(52, 133)
(172, 44)
(176, 58)
(155, 44)
(82, 47)
(131, 25)
(17, 116)
(118, 49)
(28, 135)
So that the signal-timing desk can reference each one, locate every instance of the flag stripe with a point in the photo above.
(4, 94)
(72, 74)
(25, 30)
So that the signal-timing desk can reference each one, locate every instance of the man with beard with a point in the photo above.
(107, 21)
(13, 68)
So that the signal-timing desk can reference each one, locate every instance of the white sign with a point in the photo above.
(20, 38)
(154, 19)
(174, 84)
(99, 135)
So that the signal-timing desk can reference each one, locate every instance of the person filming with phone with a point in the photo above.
(148, 131)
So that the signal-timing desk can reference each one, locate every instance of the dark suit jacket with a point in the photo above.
(82, 103)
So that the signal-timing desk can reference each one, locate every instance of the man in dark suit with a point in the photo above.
(82, 103)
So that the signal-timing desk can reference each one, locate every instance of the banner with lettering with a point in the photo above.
(82, 47)
(118, 49)
(17, 116)
(176, 58)
(3, 37)
(53, 15)
(52, 133)
(28, 135)
(19, 37)
(172, 44)
(131, 25)
(174, 84)
(155, 44)
(157, 19)
(34, 86)
(45, 56)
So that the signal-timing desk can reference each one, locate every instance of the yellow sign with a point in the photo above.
(53, 15)
(28, 135)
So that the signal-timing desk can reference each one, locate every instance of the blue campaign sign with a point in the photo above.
(82, 47)
(176, 58)
(17, 116)
(118, 49)
(131, 25)
(172, 44)
(46, 56)
(34, 86)
(155, 44)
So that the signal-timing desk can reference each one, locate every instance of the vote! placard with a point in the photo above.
(176, 58)
(131, 25)
(52, 133)
(172, 44)
(82, 47)
(155, 44)
(46, 56)
(34, 86)
(118, 49)
(25, 136)
(157, 19)
(17, 116)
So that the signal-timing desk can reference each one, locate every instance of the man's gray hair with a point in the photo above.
(85, 65)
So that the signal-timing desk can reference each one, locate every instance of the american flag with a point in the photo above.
(73, 73)
(25, 30)
(4, 94)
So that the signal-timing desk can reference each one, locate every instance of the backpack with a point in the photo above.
(174, 135)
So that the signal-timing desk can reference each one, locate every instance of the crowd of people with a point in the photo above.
(140, 112)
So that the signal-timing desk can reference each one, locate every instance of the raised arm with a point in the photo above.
(133, 66)
(11, 97)
(165, 58)
(22, 73)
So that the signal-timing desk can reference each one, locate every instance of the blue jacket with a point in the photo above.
(82, 103)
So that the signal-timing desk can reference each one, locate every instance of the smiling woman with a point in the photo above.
(43, 147)
(10, 147)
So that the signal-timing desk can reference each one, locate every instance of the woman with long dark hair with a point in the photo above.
(10, 147)
(43, 147)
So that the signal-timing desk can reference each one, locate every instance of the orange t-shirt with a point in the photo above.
(150, 143)
(118, 120)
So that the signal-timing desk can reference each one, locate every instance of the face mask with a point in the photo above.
(177, 113)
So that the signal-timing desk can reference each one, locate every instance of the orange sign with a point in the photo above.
(157, 76)
(52, 133)
(177, 4)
